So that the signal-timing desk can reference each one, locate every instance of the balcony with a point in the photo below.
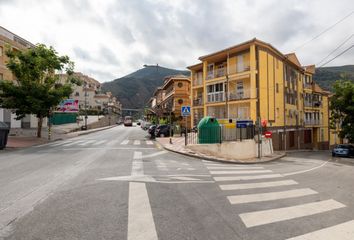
(239, 68)
(198, 102)
(233, 96)
(197, 81)
(307, 85)
(216, 97)
(312, 121)
(315, 104)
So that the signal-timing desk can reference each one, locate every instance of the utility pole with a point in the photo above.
(85, 128)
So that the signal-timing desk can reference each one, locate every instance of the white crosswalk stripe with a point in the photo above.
(257, 185)
(125, 142)
(252, 219)
(149, 143)
(86, 142)
(247, 177)
(343, 231)
(240, 172)
(261, 197)
(99, 142)
(232, 168)
(73, 143)
(136, 142)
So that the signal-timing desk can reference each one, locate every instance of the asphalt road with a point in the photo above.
(117, 184)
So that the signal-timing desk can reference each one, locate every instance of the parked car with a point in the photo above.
(343, 150)
(145, 125)
(163, 131)
(151, 130)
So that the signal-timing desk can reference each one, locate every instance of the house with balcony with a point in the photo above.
(169, 98)
(255, 81)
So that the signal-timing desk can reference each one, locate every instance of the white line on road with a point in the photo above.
(240, 172)
(149, 143)
(238, 178)
(99, 142)
(252, 219)
(305, 171)
(257, 185)
(86, 142)
(125, 142)
(343, 231)
(137, 165)
(261, 197)
(141, 224)
(73, 143)
(136, 142)
(233, 168)
(154, 154)
(108, 148)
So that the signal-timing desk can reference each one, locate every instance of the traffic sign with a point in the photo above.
(244, 123)
(268, 134)
(186, 111)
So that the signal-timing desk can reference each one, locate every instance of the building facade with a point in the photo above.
(9, 40)
(169, 98)
(254, 81)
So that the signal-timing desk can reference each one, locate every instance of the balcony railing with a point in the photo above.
(220, 72)
(216, 97)
(315, 104)
(239, 69)
(239, 95)
(198, 102)
(308, 85)
(197, 81)
(312, 121)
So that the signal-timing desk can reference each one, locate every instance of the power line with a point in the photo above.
(346, 50)
(324, 31)
(346, 40)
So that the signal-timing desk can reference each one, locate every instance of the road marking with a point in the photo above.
(137, 164)
(58, 143)
(343, 231)
(233, 168)
(141, 225)
(154, 154)
(238, 178)
(261, 197)
(185, 178)
(257, 185)
(113, 142)
(136, 142)
(305, 171)
(109, 148)
(87, 142)
(240, 172)
(99, 142)
(72, 143)
(252, 219)
(149, 143)
(161, 165)
(125, 142)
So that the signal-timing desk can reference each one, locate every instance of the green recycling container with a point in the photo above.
(209, 131)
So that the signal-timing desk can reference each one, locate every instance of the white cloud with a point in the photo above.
(108, 39)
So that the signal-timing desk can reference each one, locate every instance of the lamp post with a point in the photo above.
(85, 128)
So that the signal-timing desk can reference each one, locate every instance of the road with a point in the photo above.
(117, 184)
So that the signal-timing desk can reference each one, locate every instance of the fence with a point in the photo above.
(220, 134)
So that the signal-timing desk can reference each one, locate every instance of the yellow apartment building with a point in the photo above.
(253, 80)
(170, 97)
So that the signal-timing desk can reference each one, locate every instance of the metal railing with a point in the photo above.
(197, 81)
(216, 97)
(312, 121)
(239, 95)
(198, 102)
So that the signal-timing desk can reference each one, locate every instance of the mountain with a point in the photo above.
(326, 76)
(135, 89)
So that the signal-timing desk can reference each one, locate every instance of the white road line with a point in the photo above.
(99, 142)
(86, 142)
(154, 154)
(161, 165)
(233, 168)
(307, 170)
(125, 142)
(149, 143)
(252, 219)
(137, 164)
(257, 185)
(185, 178)
(343, 231)
(261, 197)
(72, 143)
(141, 225)
(240, 172)
(59, 143)
(136, 142)
(248, 177)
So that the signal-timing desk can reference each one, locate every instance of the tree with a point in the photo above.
(342, 108)
(37, 88)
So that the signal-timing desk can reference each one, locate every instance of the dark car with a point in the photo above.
(163, 131)
(343, 150)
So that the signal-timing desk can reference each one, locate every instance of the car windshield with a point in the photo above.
(343, 146)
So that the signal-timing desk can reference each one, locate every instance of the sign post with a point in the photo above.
(185, 112)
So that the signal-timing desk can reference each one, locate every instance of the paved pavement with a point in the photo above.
(118, 184)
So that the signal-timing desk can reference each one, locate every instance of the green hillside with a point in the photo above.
(135, 89)
(326, 76)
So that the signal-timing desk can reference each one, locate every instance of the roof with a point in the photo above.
(292, 58)
(10, 35)
(169, 79)
(195, 66)
(310, 69)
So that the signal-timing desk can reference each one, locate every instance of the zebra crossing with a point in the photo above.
(232, 180)
(99, 143)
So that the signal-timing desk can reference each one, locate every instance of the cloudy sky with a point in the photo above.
(108, 39)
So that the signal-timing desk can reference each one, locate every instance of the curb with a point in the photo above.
(222, 160)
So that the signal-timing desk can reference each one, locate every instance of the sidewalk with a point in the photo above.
(178, 146)
(17, 142)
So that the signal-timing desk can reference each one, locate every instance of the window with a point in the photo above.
(277, 113)
(239, 88)
(1, 77)
(277, 87)
(277, 63)
(180, 84)
(180, 101)
(240, 65)
(77, 94)
(210, 70)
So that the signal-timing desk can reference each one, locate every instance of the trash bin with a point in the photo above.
(4, 132)
(209, 131)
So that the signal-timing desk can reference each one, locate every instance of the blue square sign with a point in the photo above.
(186, 111)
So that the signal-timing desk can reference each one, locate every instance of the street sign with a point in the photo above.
(186, 111)
(268, 134)
(244, 123)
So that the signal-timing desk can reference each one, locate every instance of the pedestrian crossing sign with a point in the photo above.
(186, 111)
